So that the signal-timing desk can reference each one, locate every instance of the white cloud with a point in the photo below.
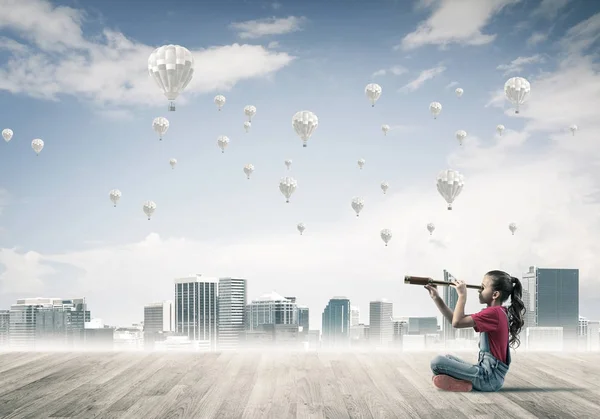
(422, 78)
(548, 9)
(537, 38)
(516, 65)
(582, 36)
(451, 85)
(273, 44)
(448, 24)
(252, 29)
(109, 70)
(276, 6)
(396, 70)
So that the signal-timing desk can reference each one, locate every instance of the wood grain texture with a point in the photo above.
(307, 385)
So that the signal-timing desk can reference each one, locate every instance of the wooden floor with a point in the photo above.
(287, 385)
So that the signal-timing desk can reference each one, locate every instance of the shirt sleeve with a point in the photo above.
(486, 320)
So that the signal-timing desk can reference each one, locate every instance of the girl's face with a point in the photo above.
(486, 294)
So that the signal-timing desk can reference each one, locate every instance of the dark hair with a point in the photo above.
(509, 286)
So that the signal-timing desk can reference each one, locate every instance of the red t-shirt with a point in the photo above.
(493, 321)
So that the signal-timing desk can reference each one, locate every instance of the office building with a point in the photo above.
(336, 323)
(450, 297)
(4, 327)
(159, 317)
(381, 329)
(233, 298)
(303, 319)
(271, 308)
(196, 308)
(354, 316)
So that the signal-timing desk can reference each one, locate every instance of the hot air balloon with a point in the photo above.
(247, 126)
(512, 227)
(301, 227)
(250, 111)
(384, 187)
(222, 142)
(160, 125)
(7, 134)
(173, 163)
(459, 92)
(220, 101)
(357, 205)
(361, 163)
(386, 235)
(149, 208)
(373, 92)
(172, 68)
(37, 145)
(435, 108)
(248, 169)
(500, 129)
(288, 163)
(287, 186)
(305, 123)
(385, 128)
(460, 136)
(430, 228)
(114, 196)
(517, 90)
(450, 184)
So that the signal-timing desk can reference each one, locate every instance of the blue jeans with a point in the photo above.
(482, 376)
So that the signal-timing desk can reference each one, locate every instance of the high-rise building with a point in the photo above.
(271, 308)
(303, 319)
(159, 317)
(196, 308)
(424, 326)
(233, 298)
(354, 316)
(336, 322)
(4, 327)
(381, 329)
(450, 298)
(556, 300)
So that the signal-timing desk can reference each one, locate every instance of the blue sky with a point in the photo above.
(86, 93)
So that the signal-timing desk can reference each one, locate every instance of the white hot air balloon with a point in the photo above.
(385, 128)
(459, 92)
(450, 184)
(172, 68)
(288, 164)
(301, 227)
(114, 196)
(220, 101)
(435, 108)
(305, 123)
(573, 129)
(160, 125)
(250, 111)
(386, 235)
(461, 135)
(37, 145)
(500, 129)
(384, 187)
(287, 186)
(361, 163)
(173, 163)
(517, 90)
(149, 208)
(430, 228)
(222, 142)
(7, 134)
(373, 92)
(357, 205)
(512, 227)
(248, 169)
(247, 126)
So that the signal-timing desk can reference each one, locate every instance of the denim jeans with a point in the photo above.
(484, 376)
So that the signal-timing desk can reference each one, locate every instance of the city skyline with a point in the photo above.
(80, 83)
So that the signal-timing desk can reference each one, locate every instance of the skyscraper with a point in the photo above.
(271, 308)
(233, 297)
(381, 327)
(354, 316)
(450, 298)
(159, 317)
(336, 322)
(556, 299)
(303, 319)
(196, 308)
